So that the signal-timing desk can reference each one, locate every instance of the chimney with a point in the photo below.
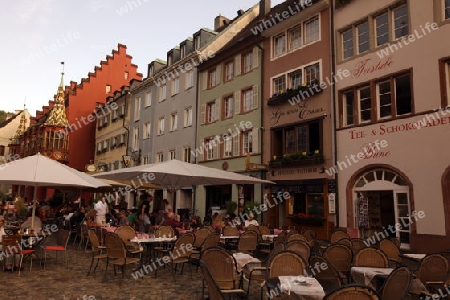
(220, 22)
(264, 8)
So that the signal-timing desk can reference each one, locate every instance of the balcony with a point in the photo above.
(297, 159)
(294, 96)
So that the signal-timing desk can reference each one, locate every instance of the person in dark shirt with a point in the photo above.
(208, 218)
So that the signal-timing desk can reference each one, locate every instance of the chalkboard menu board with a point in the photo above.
(331, 186)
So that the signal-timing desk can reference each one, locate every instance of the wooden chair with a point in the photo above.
(281, 238)
(371, 257)
(180, 252)
(62, 239)
(291, 232)
(433, 272)
(296, 237)
(337, 235)
(97, 250)
(116, 253)
(209, 228)
(214, 290)
(200, 236)
(248, 242)
(352, 292)
(341, 257)
(346, 242)
(310, 237)
(328, 276)
(392, 251)
(357, 245)
(397, 284)
(264, 230)
(12, 246)
(230, 231)
(126, 233)
(300, 247)
(84, 237)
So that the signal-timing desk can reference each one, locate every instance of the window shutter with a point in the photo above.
(205, 80)
(218, 73)
(203, 114)
(255, 142)
(237, 102)
(236, 138)
(255, 97)
(217, 110)
(255, 57)
(237, 65)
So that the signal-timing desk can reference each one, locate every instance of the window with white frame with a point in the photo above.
(362, 35)
(212, 78)
(279, 44)
(447, 9)
(162, 93)
(187, 154)
(137, 108)
(248, 99)
(172, 155)
(312, 30)
(173, 121)
(279, 84)
(135, 142)
(400, 20)
(247, 59)
(382, 29)
(175, 86)
(348, 106)
(347, 43)
(365, 104)
(146, 130)
(188, 116)
(227, 146)
(159, 157)
(294, 38)
(229, 70)
(148, 99)
(211, 112)
(247, 137)
(115, 114)
(145, 159)
(312, 74)
(161, 126)
(228, 103)
(211, 149)
(295, 79)
(189, 79)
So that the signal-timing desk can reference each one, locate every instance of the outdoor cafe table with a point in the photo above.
(412, 260)
(369, 276)
(297, 287)
(243, 259)
(149, 243)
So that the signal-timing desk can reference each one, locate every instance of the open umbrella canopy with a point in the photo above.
(39, 170)
(175, 174)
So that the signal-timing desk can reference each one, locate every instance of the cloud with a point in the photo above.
(96, 5)
(32, 10)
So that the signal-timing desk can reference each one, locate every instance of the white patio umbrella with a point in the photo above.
(175, 174)
(40, 171)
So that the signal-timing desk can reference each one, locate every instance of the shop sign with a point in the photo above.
(301, 110)
(367, 67)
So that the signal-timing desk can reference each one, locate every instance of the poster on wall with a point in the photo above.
(362, 212)
(332, 203)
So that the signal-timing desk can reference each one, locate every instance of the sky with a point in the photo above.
(38, 34)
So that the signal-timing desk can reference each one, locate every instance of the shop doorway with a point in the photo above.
(387, 197)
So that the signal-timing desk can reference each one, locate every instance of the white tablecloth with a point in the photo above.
(414, 256)
(243, 258)
(364, 275)
(301, 287)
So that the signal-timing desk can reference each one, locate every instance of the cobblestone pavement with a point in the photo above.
(57, 282)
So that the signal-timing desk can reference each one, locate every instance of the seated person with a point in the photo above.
(37, 222)
(196, 223)
(170, 221)
(133, 218)
(218, 223)
(77, 217)
(9, 259)
(250, 221)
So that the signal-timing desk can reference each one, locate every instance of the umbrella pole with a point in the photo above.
(34, 206)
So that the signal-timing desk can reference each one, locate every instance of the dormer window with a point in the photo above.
(183, 51)
(169, 60)
(197, 42)
(150, 71)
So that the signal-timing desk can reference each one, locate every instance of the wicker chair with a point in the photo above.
(248, 242)
(126, 233)
(253, 228)
(392, 251)
(209, 228)
(97, 250)
(310, 237)
(116, 252)
(346, 242)
(328, 276)
(300, 247)
(433, 272)
(231, 231)
(222, 266)
(164, 231)
(357, 245)
(296, 237)
(180, 252)
(397, 284)
(212, 240)
(352, 292)
(291, 232)
(371, 257)
(214, 290)
(337, 235)
(341, 257)
(264, 230)
(281, 238)
(200, 236)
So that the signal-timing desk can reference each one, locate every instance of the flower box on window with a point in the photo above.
(297, 159)
(295, 95)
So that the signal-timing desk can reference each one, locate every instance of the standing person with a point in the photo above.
(145, 210)
(101, 208)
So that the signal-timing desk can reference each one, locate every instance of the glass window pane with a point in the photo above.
(295, 37)
(382, 29)
(312, 74)
(363, 37)
(315, 204)
(312, 30)
(302, 145)
(401, 21)
(347, 43)
(403, 94)
(348, 102)
(365, 105)
(290, 141)
(314, 137)
(385, 101)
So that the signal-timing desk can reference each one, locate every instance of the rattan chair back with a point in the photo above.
(115, 247)
(310, 235)
(291, 232)
(212, 240)
(222, 265)
(248, 241)
(346, 242)
(209, 228)
(164, 231)
(296, 237)
(371, 257)
(337, 235)
(200, 236)
(253, 228)
(93, 239)
(264, 230)
(281, 238)
(230, 231)
(183, 245)
(213, 287)
(327, 272)
(397, 284)
(433, 268)
(357, 245)
(352, 292)
(391, 250)
(300, 247)
(126, 233)
(286, 263)
(340, 256)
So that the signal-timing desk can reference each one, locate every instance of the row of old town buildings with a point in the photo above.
(343, 104)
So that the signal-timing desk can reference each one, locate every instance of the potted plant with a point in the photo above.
(231, 206)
